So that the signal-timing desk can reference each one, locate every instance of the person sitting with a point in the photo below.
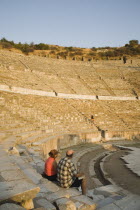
(50, 169)
(67, 175)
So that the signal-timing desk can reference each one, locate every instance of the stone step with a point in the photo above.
(28, 134)
(9, 142)
(32, 175)
(11, 206)
(87, 202)
(129, 202)
(107, 190)
(34, 138)
(42, 203)
(18, 130)
(109, 200)
(18, 190)
(14, 184)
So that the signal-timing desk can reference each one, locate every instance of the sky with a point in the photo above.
(77, 23)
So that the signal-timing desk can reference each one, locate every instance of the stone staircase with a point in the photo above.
(65, 76)
(35, 124)
(14, 184)
(21, 180)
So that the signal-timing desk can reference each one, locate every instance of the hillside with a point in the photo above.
(131, 49)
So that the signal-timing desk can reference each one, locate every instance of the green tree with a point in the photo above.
(133, 42)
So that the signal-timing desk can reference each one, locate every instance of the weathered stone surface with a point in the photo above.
(4, 159)
(11, 206)
(65, 204)
(18, 190)
(133, 160)
(49, 185)
(129, 202)
(8, 166)
(13, 151)
(32, 175)
(106, 190)
(27, 204)
(88, 203)
(72, 192)
(57, 195)
(78, 205)
(95, 198)
(109, 147)
(2, 152)
(105, 202)
(12, 175)
(45, 204)
(111, 206)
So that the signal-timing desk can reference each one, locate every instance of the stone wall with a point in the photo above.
(26, 91)
(122, 135)
(67, 140)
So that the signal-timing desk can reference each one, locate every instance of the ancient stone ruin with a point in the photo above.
(49, 103)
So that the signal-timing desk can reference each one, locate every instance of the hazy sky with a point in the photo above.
(80, 23)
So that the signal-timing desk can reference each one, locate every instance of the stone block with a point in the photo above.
(107, 190)
(4, 160)
(105, 202)
(129, 202)
(50, 186)
(18, 190)
(57, 195)
(88, 203)
(8, 167)
(13, 151)
(32, 175)
(45, 204)
(41, 208)
(65, 204)
(111, 206)
(12, 175)
(95, 198)
(72, 192)
(78, 205)
(27, 204)
(11, 206)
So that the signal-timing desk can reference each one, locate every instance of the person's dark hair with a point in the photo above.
(53, 153)
(70, 156)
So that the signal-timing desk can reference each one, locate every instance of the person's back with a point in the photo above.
(50, 168)
(67, 175)
(66, 172)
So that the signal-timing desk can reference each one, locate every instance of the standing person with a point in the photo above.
(92, 119)
(67, 175)
(50, 170)
(124, 59)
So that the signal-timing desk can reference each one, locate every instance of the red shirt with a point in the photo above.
(50, 170)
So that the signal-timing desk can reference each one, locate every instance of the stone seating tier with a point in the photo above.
(67, 76)
(14, 184)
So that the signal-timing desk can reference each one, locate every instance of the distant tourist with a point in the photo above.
(67, 175)
(50, 170)
(92, 118)
(124, 59)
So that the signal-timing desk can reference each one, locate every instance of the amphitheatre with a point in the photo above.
(47, 103)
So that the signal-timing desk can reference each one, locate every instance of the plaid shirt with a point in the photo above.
(66, 172)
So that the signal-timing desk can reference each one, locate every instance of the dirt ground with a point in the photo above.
(122, 176)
